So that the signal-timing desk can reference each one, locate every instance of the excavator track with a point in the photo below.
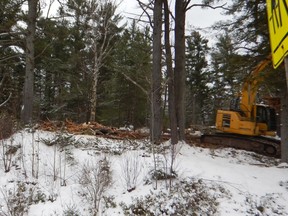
(262, 145)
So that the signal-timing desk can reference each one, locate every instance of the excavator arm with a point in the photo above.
(250, 88)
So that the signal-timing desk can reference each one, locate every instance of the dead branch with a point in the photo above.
(134, 82)
(144, 7)
(207, 6)
(2, 104)
(10, 57)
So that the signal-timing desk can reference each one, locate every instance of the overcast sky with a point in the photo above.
(196, 16)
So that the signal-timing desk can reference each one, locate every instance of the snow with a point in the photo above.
(47, 169)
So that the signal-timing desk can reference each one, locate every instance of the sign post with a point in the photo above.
(277, 12)
(284, 119)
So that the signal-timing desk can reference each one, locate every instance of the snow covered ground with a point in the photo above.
(46, 174)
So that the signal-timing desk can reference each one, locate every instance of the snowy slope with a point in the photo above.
(46, 176)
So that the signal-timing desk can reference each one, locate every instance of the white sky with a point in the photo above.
(196, 16)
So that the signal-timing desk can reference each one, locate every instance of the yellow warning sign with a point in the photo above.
(277, 11)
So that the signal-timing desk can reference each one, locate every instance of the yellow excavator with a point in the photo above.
(245, 116)
(245, 124)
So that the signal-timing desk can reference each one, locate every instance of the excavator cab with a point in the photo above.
(266, 115)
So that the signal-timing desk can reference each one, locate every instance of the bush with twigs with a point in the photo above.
(17, 199)
(95, 178)
(131, 168)
(186, 197)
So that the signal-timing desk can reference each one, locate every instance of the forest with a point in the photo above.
(96, 107)
(85, 62)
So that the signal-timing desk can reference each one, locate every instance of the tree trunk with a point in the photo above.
(27, 111)
(193, 109)
(170, 74)
(156, 110)
(284, 118)
(180, 73)
(95, 76)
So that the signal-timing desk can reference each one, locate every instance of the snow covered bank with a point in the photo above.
(47, 172)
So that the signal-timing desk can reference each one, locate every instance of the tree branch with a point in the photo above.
(207, 6)
(10, 57)
(186, 4)
(147, 6)
(134, 82)
(44, 49)
(4, 34)
(49, 8)
(2, 104)
(2, 80)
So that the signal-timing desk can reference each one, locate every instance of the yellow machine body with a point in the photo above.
(233, 122)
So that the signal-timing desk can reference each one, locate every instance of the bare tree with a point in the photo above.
(180, 73)
(103, 20)
(156, 91)
(29, 73)
(170, 76)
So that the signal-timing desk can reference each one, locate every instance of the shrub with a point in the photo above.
(186, 197)
(95, 178)
(131, 169)
(71, 210)
(17, 200)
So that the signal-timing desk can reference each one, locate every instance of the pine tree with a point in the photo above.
(197, 78)
(11, 57)
(125, 100)
(229, 70)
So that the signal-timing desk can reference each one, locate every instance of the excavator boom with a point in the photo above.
(250, 88)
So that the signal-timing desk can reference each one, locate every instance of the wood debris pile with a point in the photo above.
(92, 128)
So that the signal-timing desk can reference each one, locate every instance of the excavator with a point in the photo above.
(246, 124)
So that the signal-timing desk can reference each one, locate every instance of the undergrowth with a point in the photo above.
(186, 197)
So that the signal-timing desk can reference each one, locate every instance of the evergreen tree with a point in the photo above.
(228, 70)
(67, 57)
(249, 36)
(11, 56)
(60, 85)
(248, 27)
(76, 84)
(197, 78)
(102, 32)
(126, 94)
